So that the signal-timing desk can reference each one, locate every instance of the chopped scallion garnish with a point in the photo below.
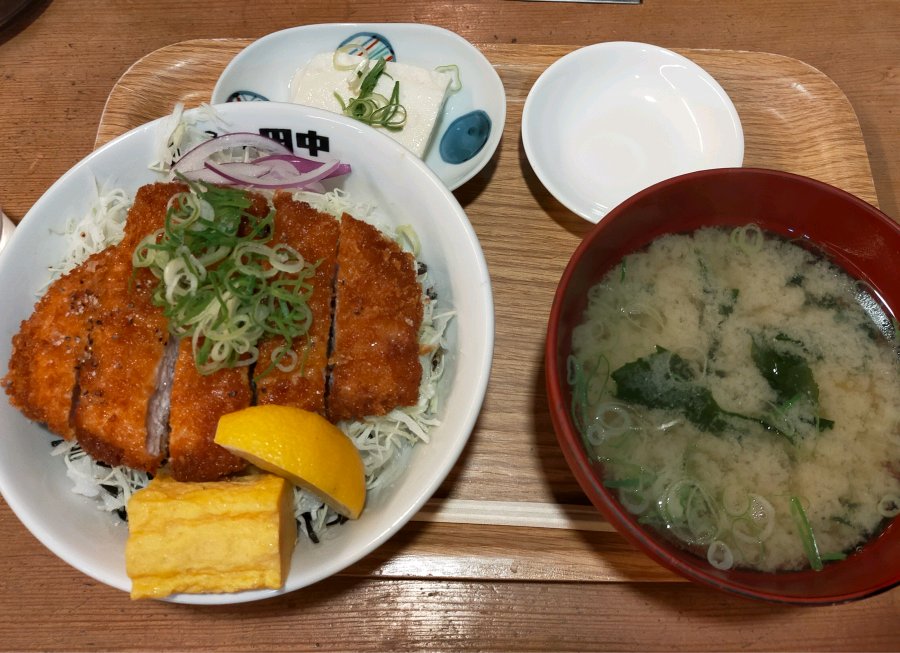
(456, 80)
(373, 108)
(810, 546)
(222, 282)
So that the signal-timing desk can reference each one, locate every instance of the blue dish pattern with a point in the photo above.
(370, 44)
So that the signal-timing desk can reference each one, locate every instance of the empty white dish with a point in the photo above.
(611, 119)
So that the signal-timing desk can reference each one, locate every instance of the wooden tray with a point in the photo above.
(511, 508)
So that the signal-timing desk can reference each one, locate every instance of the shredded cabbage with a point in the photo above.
(111, 486)
(102, 225)
(182, 133)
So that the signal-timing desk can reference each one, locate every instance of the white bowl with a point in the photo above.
(264, 71)
(608, 120)
(34, 484)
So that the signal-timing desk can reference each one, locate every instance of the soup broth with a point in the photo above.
(743, 395)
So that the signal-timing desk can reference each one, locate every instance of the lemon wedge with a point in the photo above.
(301, 446)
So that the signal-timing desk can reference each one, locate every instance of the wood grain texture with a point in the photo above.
(372, 614)
(795, 118)
(445, 586)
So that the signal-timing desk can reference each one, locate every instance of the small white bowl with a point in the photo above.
(471, 124)
(406, 192)
(608, 120)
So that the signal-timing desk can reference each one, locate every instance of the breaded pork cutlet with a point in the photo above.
(116, 416)
(378, 311)
(197, 403)
(50, 346)
(315, 236)
(148, 212)
(53, 342)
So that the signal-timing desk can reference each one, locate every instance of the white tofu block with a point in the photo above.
(422, 93)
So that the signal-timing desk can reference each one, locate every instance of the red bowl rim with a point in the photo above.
(570, 441)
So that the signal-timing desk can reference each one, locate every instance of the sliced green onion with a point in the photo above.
(221, 283)
(643, 316)
(373, 108)
(588, 383)
(889, 506)
(810, 546)
(607, 419)
(347, 49)
(409, 239)
(635, 501)
(282, 353)
(455, 81)
(689, 512)
(735, 501)
(719, 555)
(748, 239)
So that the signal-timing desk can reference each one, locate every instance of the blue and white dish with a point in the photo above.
(469, 128)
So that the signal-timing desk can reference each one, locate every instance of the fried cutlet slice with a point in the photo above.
(315, 235)
(117, 382)
(50, 346)
(119, 412)
(148, 212)
(197, 403)
(378, 311)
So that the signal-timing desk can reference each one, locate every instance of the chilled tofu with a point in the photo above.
(221, 536)
(422, 92)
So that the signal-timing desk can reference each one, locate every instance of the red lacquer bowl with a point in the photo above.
(855, 235)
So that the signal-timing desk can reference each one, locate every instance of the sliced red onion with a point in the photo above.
(245, 169)
(206, 176)
(233, 168)
(275, 180)
(195, 158)
(302, 164)
(282, 169)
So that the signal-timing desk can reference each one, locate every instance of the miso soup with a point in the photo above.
(743, 395)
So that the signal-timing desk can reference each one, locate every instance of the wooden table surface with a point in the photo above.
(495, 586)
